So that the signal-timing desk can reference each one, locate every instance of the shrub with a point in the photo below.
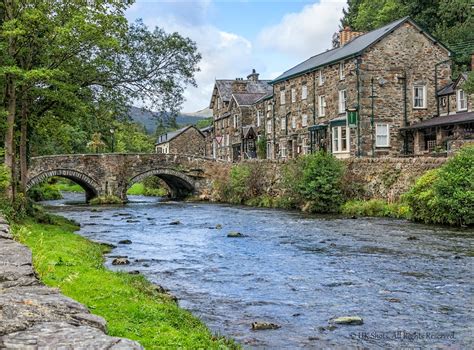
(315, 182)
(375, 207)
(44, 192)
(446, 195)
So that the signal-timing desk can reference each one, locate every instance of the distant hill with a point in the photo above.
(150, 119)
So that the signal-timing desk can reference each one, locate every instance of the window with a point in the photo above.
(443, 102)
(236, 121)
(282, 97)
(218, 103)
(293, 122)
(293, 95)
(462, 101)
(382, 135)
(227, 139)
(304, 120)
(269, 126)
(342, 101)
(419, 96)
(341, 71)
(304, 92)
(322, 106)
(321, 78)
(258, 118)
(283, 123)
(283, 152)
(306, 148)
(340, 139)
(269, 106)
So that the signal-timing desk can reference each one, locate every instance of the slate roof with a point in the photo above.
(351, 49)
(163, 138)
(458, 118)
(252, 87)
(248, 99)
(447, 90)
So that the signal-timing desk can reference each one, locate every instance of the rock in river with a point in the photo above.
(120, 261)
(177, 222)
(351, 320)
(125, 241)
(259, 326)
(234, 234)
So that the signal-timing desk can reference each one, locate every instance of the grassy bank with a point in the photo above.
(130, 304)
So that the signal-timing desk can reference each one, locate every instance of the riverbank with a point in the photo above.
(133, 307)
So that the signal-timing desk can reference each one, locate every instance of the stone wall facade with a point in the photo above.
(191, 142)
(379, 83)
(34, 316)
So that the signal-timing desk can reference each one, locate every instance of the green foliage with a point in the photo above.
(376, 207)
(446, 195)
(315, 181)
(204, 123)
(132, 306)
(44, 192)
(106, 200)
(262, 147)
(468, 86)
(140, 189)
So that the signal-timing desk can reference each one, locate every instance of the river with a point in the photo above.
(412, 284)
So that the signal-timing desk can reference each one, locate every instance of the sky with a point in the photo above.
(234, 37)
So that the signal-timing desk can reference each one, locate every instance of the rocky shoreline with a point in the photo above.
(33, 315)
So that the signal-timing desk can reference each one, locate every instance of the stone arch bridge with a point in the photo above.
(115, 173)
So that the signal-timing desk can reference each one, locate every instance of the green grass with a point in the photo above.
(376, 207)
(129, 303)
(68, 186)
(139, 189)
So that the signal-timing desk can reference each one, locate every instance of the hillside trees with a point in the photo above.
(80, 63)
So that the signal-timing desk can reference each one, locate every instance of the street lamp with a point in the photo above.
(112, 132)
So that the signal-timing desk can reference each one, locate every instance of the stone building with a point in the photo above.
(187, 140)
(232, 104)
(454, 125)
(359, 98)
(209, 137)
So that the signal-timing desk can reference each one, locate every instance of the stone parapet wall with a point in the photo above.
(34, 316)
(386, 178)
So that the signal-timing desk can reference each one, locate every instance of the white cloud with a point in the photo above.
(306, 33)
(225, 55)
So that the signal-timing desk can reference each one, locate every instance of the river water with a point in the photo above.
(412, 284)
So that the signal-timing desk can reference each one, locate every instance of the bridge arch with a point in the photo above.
(90, 186)
(179, 184)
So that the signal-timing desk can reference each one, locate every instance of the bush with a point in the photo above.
(108, 199)
(376, 207)
(446, 195)
(44, 192)
(315, 182)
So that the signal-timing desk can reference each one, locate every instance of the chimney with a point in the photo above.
(239, 85)
(346, 35)
(253, 76)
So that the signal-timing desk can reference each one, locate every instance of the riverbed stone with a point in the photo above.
(177, 222)
(120, 261)
(349, 320)
(125, 241)
(33, 316)
(260, 326)
(234, 234)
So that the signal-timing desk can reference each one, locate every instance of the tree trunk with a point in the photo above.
(9, 135)
(23, 145)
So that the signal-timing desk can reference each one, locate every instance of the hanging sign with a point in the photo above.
(352, 117)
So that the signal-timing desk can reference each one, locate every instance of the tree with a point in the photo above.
(81, 64)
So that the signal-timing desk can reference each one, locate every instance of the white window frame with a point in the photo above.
(342, 67)
(304, 120)
(321, 78)
(236, 121)
(337, 139)
(461, 103)
(423, 87)
(342, 101)
(283, 152)
(378, 128)
(306, 146)
(283, 123)
(293, 122)
(322, 105)
(293, 95)
(304, 92)
(258, 118)
(269, 126)
(282, 97)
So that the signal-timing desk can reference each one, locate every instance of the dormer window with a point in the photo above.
(461, 100)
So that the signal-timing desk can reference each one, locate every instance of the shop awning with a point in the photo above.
(341, 121)
(317, 127)
(458, 118)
